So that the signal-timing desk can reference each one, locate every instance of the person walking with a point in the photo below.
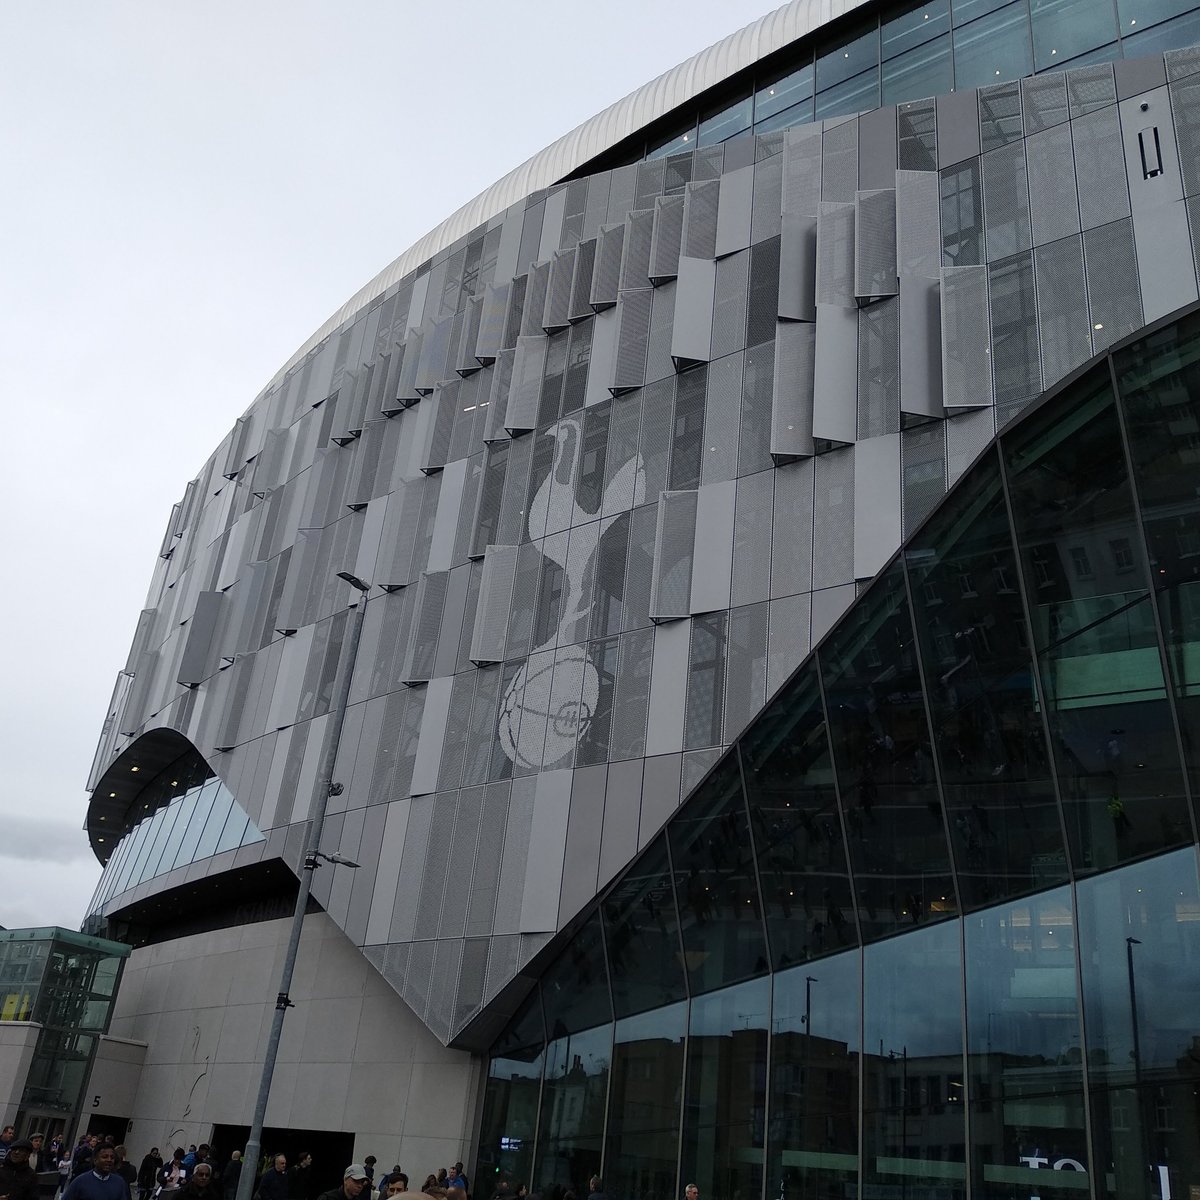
(355, 1182)
(273, 1185)
(125, 1169)
(147, 1176)
(202, 1184)
(232, 1174)
(100, 1182)
(18, 1180)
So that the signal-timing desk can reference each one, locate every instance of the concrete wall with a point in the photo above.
(17, 1041)
(116, 1075)
(203, 1006)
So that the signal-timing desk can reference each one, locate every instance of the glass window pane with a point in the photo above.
(575, 987)
(1139, 14)
(1182, 31)
(812, 1142)
(149, 826)
(798, 114)
(1093, 624)
(797, 831)
(995, 768)
(923, 71)
(643, 1113)
(187, 806)
(222, 802)
(914, 1135)
(726, 1094)
(191, 837)
(641, 932)
(1139, 938)
(510, 1098)
(715, 888)
(159, 861)
(968, 10)
(1024, 1057)
(783, 92)
(718, 126)
(1159, 378)
(571, 1131)
(993, 49)
(920, 24)
(234, 832)
(962, 215)
(848, 58)
(854, 95)
(676, 143)
(1063, 29)
(884, 764)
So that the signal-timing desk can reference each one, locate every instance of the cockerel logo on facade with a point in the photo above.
(548, 707)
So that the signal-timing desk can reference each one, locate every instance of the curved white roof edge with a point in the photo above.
(597, 134)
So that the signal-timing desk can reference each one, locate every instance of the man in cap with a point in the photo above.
(18, 1180)
(354, 1183)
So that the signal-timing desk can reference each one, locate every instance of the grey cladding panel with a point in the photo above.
(666, 239)
(792, 396)
(635, 262)
(701, 216)
(558, 296)
(958, 127)
(489, 341)
(1044, 101)
(525, 390)
(674, 542)
(1097, 142)
(691, 330)
(495, 598)
(633, 338)
(801, 171)
(422, 649)
(606, 276)
(536, 291)
(580, 307)
(835, 386)
(1053, 205)
(798, 267)
(199, 653)
(966, 354)
(875, 243)
(835, 255)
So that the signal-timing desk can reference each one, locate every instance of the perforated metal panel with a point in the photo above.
(1090, 88)
(745, 667)
(454, 748)
(839, 163)
(490, 338)
(435, 350)
(635, 262)
(792, 394)
(525, 588)
(916, 136)
(754, 433)
(753, 512)
(627, 738)
(536, 290)
(801, 191)
(999, 115)
(674, 541)
(721, 420)
(729, 304)
(835, 254)
(966, 353)
(1103, 194)
(606, 277)
(700, 215)
(875, 271)
(558, 295)
(705, 682)
(1185, 105)
(1066, 334)
(1006, 202)
(1044, 101)
(666, 238)
(833, 519)
(422, 649)
(440, 429)
(967, 436)
(879, 369)
(767, 199)
(923, 472)
(579, 307)
(1114, 293)
(525, 390)
(659, 364)
(500, 388)
(472, 974)
(1053, 205)
(514, 318)
(632, 340)
(406, 387)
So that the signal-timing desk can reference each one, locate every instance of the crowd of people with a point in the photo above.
(98, 1169)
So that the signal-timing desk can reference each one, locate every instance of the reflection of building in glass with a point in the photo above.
(57, 990)
(771, 749)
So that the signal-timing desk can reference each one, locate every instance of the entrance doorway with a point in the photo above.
(330, 1151)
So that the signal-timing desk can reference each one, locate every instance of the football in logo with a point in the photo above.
(546, 709)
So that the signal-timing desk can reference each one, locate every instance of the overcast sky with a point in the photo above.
(189, 190)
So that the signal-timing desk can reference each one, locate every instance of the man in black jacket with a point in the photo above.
(18, 1180)
(274, 1182)
(354, 1183)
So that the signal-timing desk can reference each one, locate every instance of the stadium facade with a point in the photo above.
(772, 749)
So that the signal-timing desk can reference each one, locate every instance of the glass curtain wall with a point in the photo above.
(931, 926)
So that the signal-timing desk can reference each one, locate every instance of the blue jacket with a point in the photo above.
(90, 1186)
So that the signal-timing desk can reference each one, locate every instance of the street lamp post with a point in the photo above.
(322, 790)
